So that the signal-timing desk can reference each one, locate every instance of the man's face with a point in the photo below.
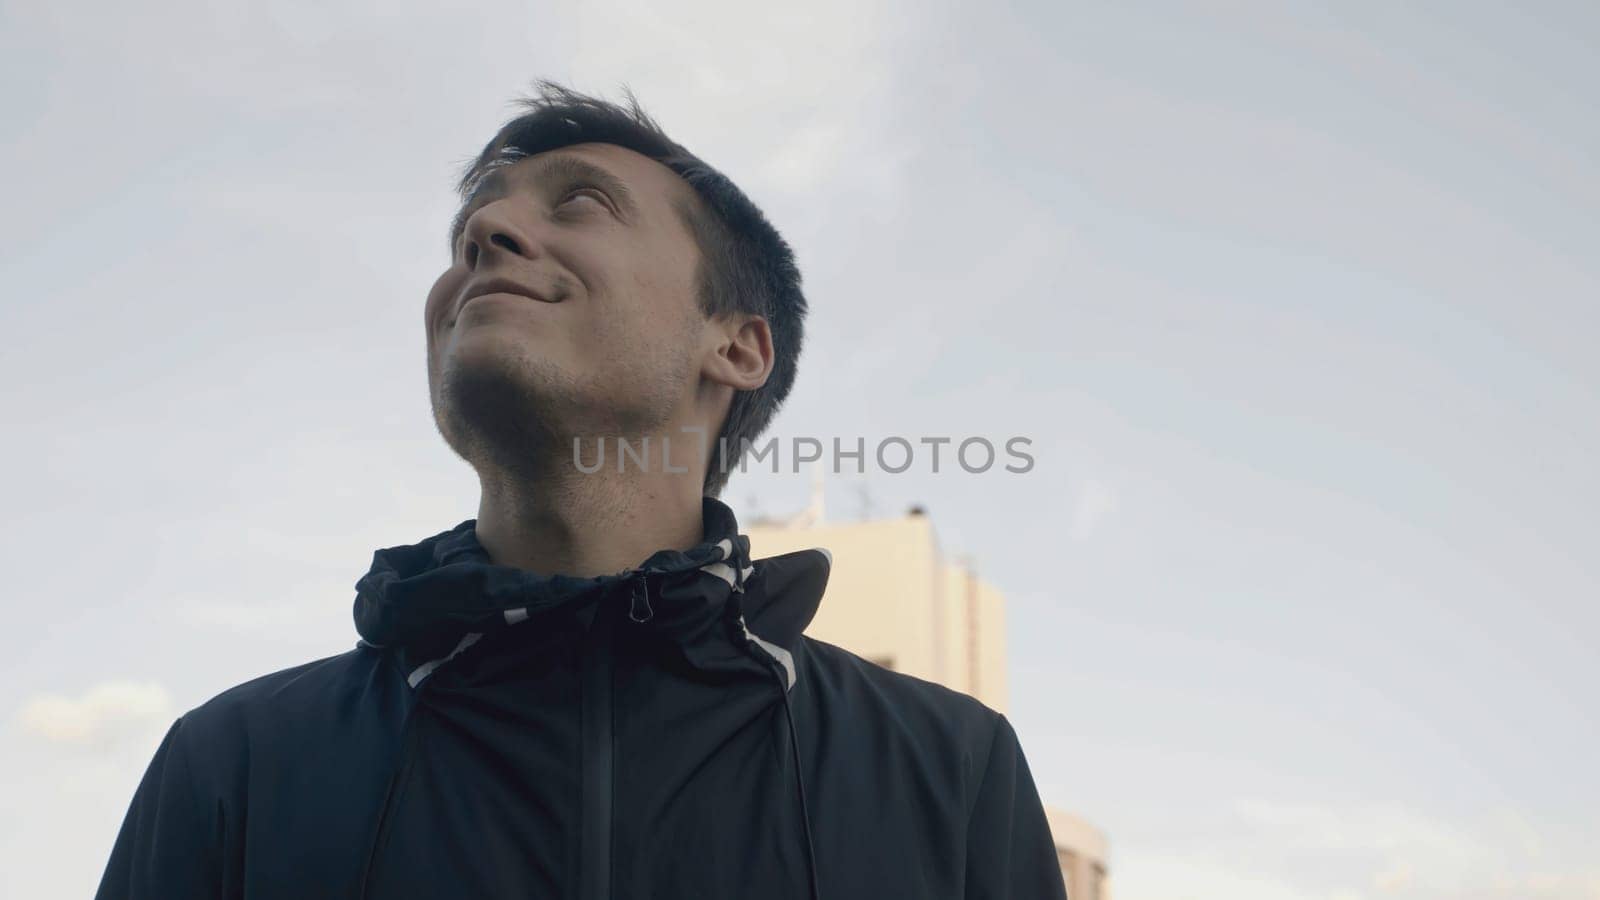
(609, 340)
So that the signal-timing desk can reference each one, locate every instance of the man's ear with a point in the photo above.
(740, 351)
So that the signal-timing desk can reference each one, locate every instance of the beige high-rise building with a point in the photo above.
(895, 599)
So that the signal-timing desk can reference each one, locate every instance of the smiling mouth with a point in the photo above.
(512, 294)
(491, 296)
(497, 287)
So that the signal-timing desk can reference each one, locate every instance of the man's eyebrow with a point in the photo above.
(561, 168)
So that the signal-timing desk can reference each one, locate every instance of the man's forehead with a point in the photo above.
(614, 154)
(647, 176)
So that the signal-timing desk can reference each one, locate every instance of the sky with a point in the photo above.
(1295, 303)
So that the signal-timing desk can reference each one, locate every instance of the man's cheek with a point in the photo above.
(435, 310)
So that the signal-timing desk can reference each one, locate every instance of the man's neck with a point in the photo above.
(587, 524)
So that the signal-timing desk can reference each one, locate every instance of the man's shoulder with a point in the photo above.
(849, 685)
(297, 730)
(283, 699)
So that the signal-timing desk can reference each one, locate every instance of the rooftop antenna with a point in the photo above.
(812, 514)
(865, 497)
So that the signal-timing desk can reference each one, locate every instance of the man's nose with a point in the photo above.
(490, 231)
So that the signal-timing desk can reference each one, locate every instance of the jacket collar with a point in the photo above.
(430, 600)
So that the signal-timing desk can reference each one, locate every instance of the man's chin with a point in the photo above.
(488, 410)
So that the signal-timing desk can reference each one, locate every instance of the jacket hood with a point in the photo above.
(430, 600)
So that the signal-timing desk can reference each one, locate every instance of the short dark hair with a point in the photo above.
(745, 265)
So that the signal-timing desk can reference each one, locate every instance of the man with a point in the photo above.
(590, 691)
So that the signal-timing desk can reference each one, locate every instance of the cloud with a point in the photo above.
(792, 79)
(1395, 878)
(1401, 852)
(1096, 500)
(311, 616)
(1362, 851)
(103, 712)
(1174, 877)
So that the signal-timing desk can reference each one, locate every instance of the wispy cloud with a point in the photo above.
(1096, 499)
(793, 80)
(1175, 877)
(1394, 879)
(102, 713)
(1400, 852)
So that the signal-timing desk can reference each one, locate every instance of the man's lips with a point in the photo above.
(496, 286)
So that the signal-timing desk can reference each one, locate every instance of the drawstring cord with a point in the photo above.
(641, 612)
(800, 783)
(782, 676)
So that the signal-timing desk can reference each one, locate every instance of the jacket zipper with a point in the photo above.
(639, 610)
(594, 844)
(397, 781)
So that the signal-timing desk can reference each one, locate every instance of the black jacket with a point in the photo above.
(667, 732)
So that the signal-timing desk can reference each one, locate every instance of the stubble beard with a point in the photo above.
(523, 420)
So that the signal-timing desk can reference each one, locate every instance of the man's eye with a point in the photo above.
(591, 193)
